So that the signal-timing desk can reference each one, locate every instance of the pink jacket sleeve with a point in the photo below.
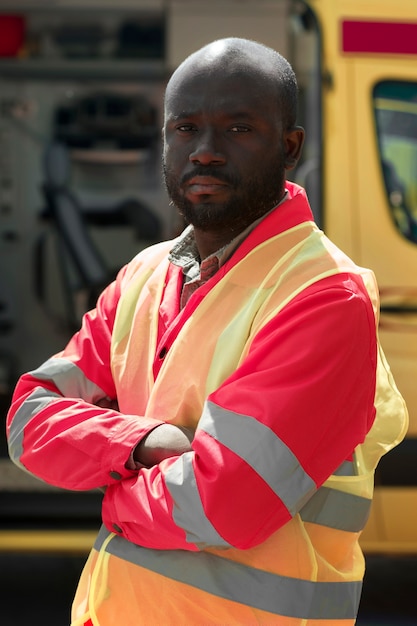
(63, 425)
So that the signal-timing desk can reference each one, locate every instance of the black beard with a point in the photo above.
(252, 198)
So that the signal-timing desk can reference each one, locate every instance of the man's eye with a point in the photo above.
(186, 128)
(239, 129)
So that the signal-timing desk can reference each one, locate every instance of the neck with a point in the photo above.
(209, 242)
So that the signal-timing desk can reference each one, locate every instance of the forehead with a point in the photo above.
(220, 90)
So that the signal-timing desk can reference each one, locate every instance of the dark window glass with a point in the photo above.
(395, 105)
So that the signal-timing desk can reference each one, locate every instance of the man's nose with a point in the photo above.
(207, 150)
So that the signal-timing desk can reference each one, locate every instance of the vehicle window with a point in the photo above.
(395, 105)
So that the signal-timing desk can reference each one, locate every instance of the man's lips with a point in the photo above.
(205, 185)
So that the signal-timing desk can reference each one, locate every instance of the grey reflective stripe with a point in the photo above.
(337, 509)
(259, 446)
(69, 379)
(34, 403)
(346, 469)
(280, 595)
(188, 512)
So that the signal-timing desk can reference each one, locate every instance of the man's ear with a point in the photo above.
(293, 141)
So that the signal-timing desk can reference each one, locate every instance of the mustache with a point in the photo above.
(212, 172)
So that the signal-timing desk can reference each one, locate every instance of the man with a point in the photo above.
(228, 392)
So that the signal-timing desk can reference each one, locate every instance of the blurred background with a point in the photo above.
(81, 192)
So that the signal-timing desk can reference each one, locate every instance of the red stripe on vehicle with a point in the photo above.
(379, 37)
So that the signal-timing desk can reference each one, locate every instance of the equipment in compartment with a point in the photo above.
(99, 128)
(107, 118)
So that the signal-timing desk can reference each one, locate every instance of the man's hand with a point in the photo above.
(161, 443)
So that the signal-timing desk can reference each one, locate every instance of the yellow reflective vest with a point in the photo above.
(310, 570)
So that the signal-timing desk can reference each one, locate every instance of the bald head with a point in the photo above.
(235, 57)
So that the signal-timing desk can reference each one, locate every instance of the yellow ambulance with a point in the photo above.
(364, 174)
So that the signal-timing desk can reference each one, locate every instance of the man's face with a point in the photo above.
(224, 160)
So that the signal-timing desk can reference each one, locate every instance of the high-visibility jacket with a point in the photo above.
(293, 408)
